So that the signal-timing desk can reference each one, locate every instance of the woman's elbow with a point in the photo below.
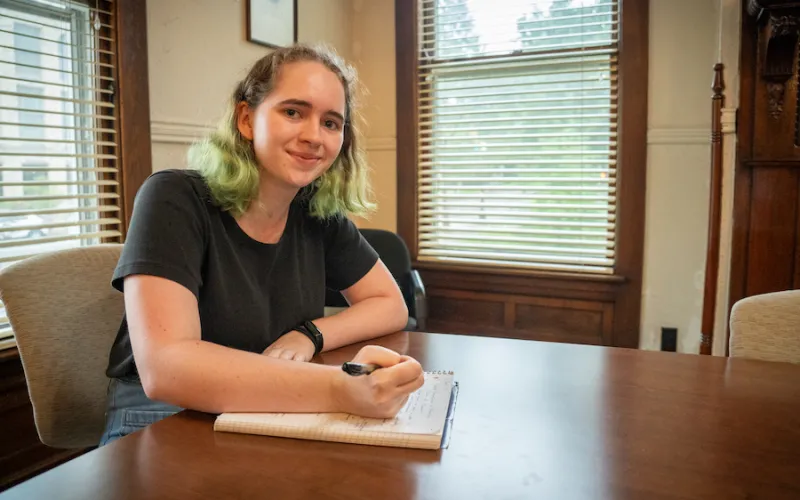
(154, 379)
(157, 388)
(151, 381)
(401, 314)
(149, 385)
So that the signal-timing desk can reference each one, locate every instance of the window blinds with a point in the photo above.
(58, 137)
(517, 131)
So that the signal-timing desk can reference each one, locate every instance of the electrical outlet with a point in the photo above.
(669, 339)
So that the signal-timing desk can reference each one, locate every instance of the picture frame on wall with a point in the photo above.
(272, 23)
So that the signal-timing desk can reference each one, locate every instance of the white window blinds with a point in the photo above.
(58, 149)
(517, 133)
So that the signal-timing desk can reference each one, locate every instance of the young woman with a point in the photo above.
(225, 266)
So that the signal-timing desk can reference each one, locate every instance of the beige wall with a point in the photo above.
(683, 51)
(198, 50)
(373, 56)
(195, 60)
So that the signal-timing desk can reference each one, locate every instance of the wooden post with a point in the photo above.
(712, 252)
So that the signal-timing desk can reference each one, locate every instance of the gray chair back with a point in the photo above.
(65, 315)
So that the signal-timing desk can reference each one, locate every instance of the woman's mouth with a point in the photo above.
(305, 159)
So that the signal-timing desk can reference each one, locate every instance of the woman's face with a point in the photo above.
(298, 130)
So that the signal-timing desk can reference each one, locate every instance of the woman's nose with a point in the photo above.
(310, 132)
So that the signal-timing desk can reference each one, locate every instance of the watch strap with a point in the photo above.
(310, 330)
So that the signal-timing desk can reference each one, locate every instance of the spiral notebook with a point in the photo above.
(423, 422)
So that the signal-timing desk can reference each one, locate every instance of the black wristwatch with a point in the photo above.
(310, 330)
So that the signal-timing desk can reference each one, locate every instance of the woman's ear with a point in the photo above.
(244, 120)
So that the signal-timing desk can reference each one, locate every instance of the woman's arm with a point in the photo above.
(177, 367)
(376, 308)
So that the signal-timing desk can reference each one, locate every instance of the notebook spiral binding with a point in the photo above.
(439, 372)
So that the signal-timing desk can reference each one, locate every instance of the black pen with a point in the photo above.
(356, 369)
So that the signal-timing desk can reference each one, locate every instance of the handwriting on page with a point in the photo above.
(423, 413)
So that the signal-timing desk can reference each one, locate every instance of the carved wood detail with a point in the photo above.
(783, 32)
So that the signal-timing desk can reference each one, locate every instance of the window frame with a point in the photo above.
(131, 96)
(624, 287)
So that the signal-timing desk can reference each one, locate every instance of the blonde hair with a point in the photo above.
(227, 161)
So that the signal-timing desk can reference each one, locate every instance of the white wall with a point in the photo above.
(683, 51)
(198, 50)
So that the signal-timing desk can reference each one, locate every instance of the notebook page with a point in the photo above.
(424, 414)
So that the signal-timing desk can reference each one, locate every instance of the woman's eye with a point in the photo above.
(331, 125)
(291, 113)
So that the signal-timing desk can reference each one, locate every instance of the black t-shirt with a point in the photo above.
(248, 292)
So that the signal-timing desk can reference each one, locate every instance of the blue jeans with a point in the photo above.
(128, 409)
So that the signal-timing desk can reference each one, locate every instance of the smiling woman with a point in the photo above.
(329, 83)
(305, 134)
(225, 266)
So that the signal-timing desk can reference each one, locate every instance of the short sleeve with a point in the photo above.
(348, 256)
(166, 237)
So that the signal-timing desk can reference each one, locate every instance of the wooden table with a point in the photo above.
(534, 420)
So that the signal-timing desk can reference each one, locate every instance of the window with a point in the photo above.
(31, 112)
(27, 57)
(58, 146)
(33, 179)
(517, 133)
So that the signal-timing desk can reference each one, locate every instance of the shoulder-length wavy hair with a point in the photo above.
(228, 163)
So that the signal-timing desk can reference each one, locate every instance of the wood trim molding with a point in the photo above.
(788, 163)
(677, 136)
(729, 119)
(174, 131)
(513, 271)
(9, 353)
(533, 286)
(407, 149)
(136, 161)
(632, 168)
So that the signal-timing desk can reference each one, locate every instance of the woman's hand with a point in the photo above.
(292, 346)
(384, 392)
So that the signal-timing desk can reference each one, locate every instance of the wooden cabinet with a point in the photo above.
(766, 239)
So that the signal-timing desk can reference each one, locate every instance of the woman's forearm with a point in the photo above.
(208, 377)
(367, 319)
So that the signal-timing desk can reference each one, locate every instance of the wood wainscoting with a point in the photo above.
(22, 455)
(496, 303)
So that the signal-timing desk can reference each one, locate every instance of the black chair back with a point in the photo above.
(394, 253)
